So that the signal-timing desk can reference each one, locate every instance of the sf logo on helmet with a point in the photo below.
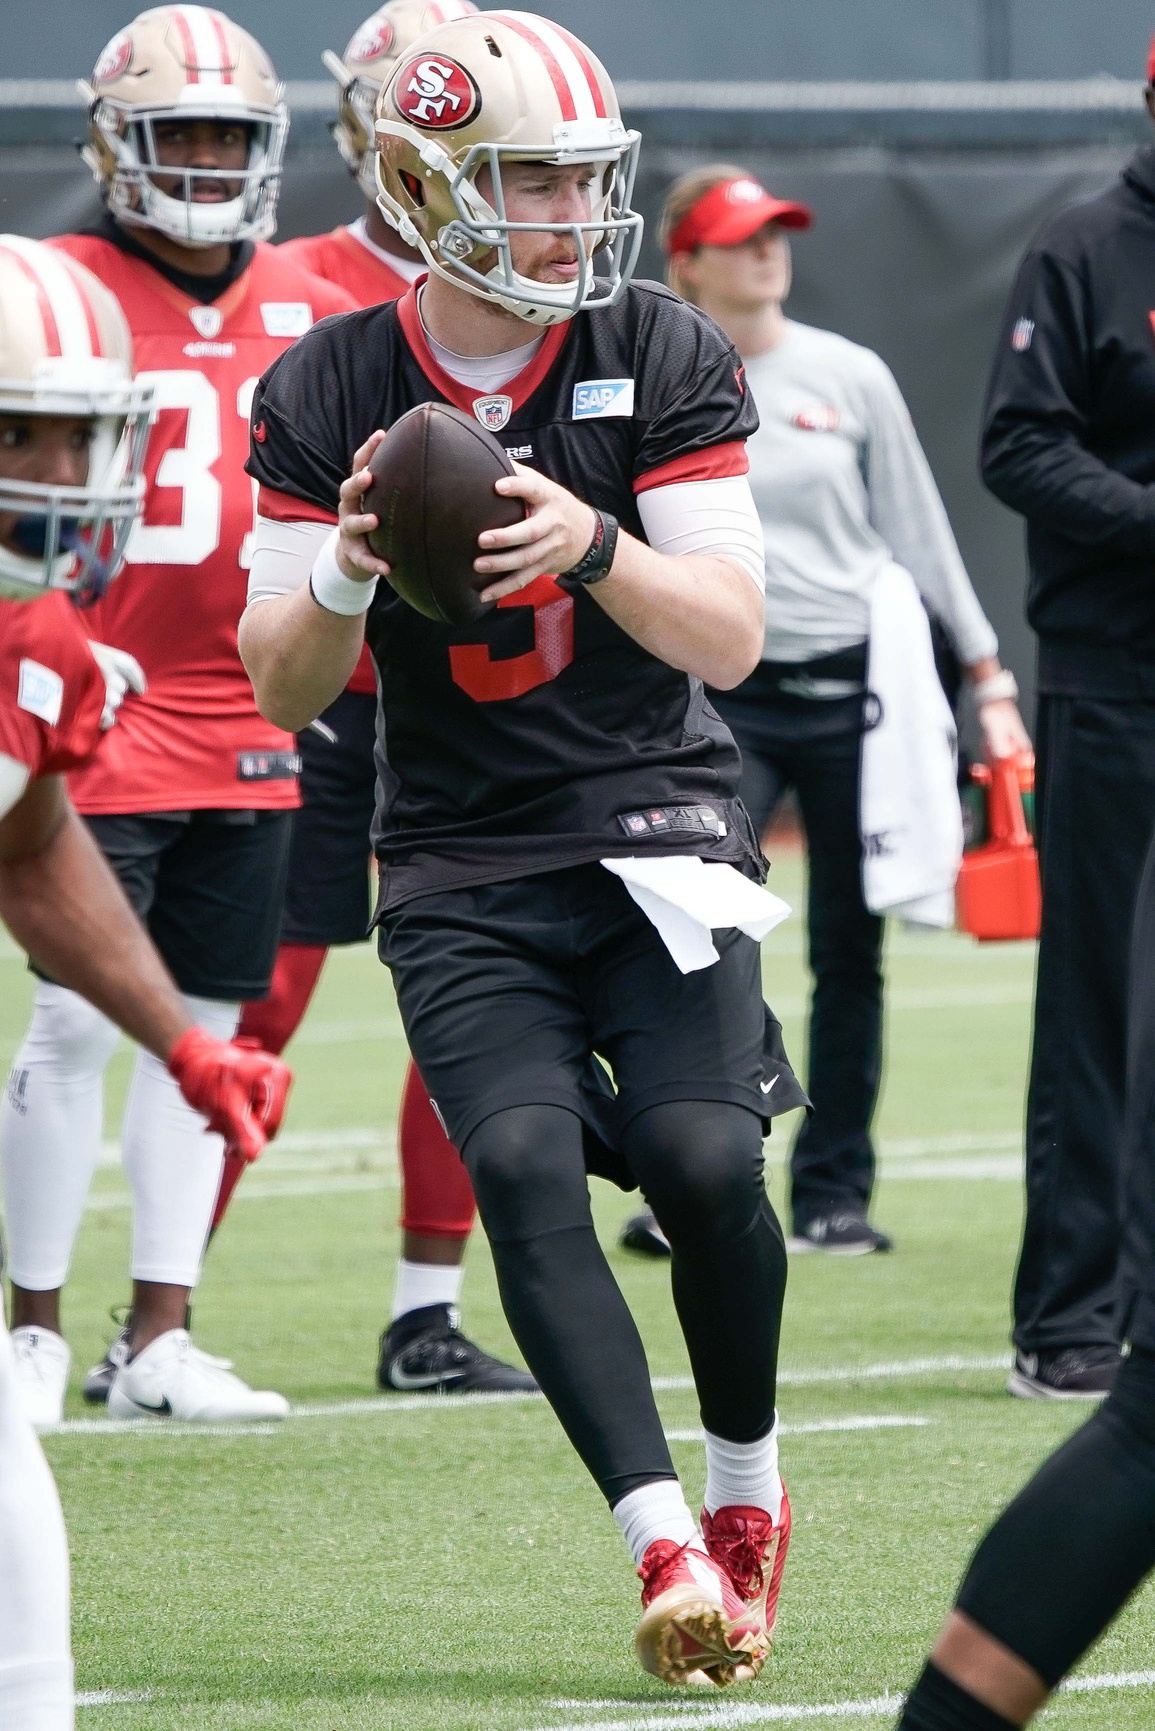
(436, 93)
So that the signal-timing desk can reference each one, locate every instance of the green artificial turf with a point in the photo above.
(435, 1566)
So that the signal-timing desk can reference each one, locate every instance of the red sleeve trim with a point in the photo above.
(709, 465)
(284, 508)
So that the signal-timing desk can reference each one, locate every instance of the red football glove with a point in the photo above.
(240, 1089)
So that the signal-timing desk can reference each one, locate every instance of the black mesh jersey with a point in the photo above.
(542, 735)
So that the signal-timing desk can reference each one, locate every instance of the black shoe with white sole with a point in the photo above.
(1072, 1373)
(424, 1351)
(843, 1233)
(643, 1234)
(100, 1378)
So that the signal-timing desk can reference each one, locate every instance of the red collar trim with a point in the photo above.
(520, 388)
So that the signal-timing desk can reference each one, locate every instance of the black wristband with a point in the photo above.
(599, 555)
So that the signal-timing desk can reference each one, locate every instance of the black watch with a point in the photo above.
(598, 557)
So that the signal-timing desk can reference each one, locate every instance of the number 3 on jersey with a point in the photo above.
(182, 518)
(487, 680)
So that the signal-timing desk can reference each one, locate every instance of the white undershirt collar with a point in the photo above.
(481, 373)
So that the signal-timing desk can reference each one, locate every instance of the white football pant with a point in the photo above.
(50, 1130)
(36, 1687)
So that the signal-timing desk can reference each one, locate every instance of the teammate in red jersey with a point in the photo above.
(327, 896)
(72, 439)
(191, 799)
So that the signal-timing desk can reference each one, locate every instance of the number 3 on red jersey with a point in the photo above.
(183, 511)
(490, 681)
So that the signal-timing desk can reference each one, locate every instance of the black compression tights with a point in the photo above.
(1073, 1546)
(700, 1167)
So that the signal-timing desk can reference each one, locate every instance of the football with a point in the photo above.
(432, 493)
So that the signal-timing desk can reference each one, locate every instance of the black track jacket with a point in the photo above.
(1069, 438)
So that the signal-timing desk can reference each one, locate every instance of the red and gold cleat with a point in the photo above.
(751, 1548)
(694, 1627)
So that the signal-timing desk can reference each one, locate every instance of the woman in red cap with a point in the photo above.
(845, 495)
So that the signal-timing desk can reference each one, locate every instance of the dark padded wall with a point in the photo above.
(912, 253)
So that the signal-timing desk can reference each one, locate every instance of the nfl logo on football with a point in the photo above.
(493, 412)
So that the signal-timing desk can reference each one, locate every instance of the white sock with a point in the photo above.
(36, 1686)
(745, 1473)
(173, 1166)
(656, 1511)
(422, 1283)
(50, 1127)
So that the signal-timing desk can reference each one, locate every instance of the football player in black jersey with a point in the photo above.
(558, 827)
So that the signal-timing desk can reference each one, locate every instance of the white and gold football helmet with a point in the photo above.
(505, 87)
(65, 350)
(372, 53)
(185, 62)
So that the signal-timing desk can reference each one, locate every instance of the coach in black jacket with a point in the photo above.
(1069, 441)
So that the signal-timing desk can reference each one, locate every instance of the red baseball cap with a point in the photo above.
(1151, 62)
(731, 212)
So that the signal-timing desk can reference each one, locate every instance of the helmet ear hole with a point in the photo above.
(413, 187)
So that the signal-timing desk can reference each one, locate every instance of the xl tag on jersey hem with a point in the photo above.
(286, 318)
(268, 765)
(41, 691)
(597, 399)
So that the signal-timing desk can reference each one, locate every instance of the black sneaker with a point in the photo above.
(425, 1350)
(643, 1234)
(99, 1379)
(842, 1234)
(1072, 1373)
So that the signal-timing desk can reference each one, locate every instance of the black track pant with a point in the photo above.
(1067, 1554)
(700, 1168)
(1096, 808)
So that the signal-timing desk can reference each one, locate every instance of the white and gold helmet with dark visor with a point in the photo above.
(66, 353)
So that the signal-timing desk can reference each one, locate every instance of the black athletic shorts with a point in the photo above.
(210, 887)
(328, 898)
(507, 990)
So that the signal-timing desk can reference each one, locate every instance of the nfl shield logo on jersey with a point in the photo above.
(207, 321)
(493, 412)
(1021, 335)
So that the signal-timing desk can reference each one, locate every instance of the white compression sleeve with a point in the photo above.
(14, 777)
(36, 1686)
(173, 1165)
(706, 517)
(50, 1125)
(283, 556)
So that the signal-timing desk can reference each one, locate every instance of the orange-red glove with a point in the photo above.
(239, 1089)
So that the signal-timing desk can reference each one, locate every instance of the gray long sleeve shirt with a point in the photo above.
(843, 488)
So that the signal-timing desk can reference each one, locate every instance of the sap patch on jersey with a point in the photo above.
(286, 318)
(596, 399)
(41, 691)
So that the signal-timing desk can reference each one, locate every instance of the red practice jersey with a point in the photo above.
(195, 741)
(341, 258)
(52, 693)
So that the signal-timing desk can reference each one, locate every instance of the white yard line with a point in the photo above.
(269, 1190)
(898, 1370)
(992, 1167)
(112, 1697)
(732, 1714)
(861, 1421)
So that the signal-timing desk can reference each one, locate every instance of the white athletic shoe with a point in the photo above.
(42, 1365)
(172, 1378)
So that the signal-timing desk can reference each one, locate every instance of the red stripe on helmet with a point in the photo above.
(577, 49)
(90, 319)
(550, 60)
(43, 303)
(188, 43)
(218, 21)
